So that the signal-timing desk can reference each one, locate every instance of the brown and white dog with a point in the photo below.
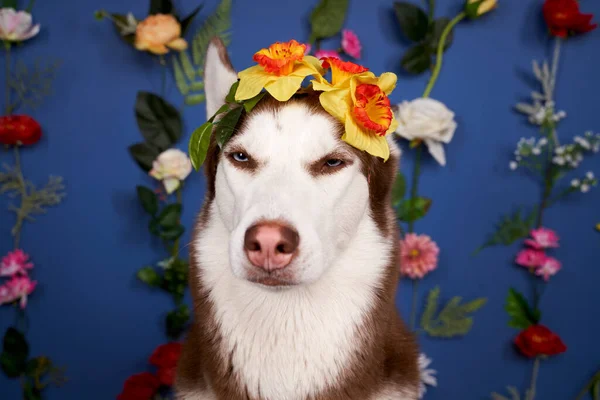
(293, 265)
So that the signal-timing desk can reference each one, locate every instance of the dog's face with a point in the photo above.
(289, 191)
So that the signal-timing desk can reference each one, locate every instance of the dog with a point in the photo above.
(294, 262)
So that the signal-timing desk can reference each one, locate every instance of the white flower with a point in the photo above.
(558, 161)
(16, 26)
(575, 182)
(560, 150)
(429, 120)
(427, 375)
(513, 165)
(589, 175)
(536, 151)
(543, 141)
(585, 188)
(171, 167)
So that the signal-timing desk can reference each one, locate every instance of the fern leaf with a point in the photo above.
(511, 229)
(187, 65)
(453, 320)
(197, 86)
(180, 78)
(194, 99)
(218, 24)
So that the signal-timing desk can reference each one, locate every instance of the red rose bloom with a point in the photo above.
(15, 129)
(165, 357)
(140, 387)
(538, 340)
(563, 17)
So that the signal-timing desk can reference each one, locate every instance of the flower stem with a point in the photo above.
(8, 107)
(534, 375)
(595, 379)
(440, 53)
(23, 190)
(415, 183)
(176, 245)
(431, 9)
(163, 88)
(413, 304)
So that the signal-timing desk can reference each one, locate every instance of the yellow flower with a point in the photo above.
(341, 72)
(361, 102)
(159, 32)
(476, 8)
(598, 227)
(280, 71)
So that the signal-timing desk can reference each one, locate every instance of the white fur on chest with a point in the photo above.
(293, 343)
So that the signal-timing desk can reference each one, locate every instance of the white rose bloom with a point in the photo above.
(428, 120)
(171, 167)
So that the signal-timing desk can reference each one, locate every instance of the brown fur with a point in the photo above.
(387, 352)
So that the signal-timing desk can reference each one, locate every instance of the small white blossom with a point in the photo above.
(536, 151)
(558, 161)
(575, 182)
(543, 141)
(560, 150)
(590, 175)
(513, 165)
(585, 188)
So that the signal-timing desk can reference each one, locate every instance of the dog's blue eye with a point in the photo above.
(240, 157)
(333, 162)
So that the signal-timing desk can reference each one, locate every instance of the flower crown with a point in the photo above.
(354, 96)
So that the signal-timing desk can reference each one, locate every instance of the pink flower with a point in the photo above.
(18, 288)
(550, 266)
(14, 263)
(542, 239)
(418, 255)
(351, 44)
(308, 48)
(326, 53)
(530, 258)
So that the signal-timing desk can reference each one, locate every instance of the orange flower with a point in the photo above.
(372, 108)
(280, 71)
(158, 33)
(341, 71)
(279, 58)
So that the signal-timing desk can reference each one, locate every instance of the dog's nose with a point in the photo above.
(271, 245)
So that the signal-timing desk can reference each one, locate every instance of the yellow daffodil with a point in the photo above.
(359, 99)
(280, 71)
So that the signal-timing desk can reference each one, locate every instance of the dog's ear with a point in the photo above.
(219, 75)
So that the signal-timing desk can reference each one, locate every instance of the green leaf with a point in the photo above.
(327, 18)
(148, 200)
(194, 99)
(144, 155)
(177, 321)
(30, 392)
(595, 391)
(159, 122)
(121, 25)
(15, 351)
(216, 25)
(170, 215)
(399, 189)
(226, 125)
(11, 366)
(251, 103)
(435, 32)
(9, 4)
(189, 70)
(197, 85)
(230, 98)
(149, 276)
(185, 23)
(510, 229)
(412, 210)
(160, 7)
(521, 315)
(154, 227)
(172, 232)
(180, 78)
(413, 20)
(199, 143)
(455, 318)
(417, 59)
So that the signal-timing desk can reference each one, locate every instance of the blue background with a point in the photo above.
(92, 316)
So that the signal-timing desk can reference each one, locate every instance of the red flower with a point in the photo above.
(19, 129)
(140, 387)
(538, 340)
(165, 357)
(563, 17)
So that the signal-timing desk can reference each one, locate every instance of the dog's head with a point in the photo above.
(290, 193)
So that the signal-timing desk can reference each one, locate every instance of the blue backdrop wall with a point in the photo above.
(91, 315)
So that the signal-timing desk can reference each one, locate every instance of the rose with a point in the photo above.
(16, 26)
(159, 32)
(350, 44)
(171, 167)
(19, 129)
(563, 17)
(476, 8)
(165, 357)
(427, 120)
(538, 340)
(140, 387)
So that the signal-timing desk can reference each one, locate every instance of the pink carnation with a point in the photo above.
(14, 263)
(530, 258)
(18, 288)
(351, 44)
(418, 255)
(326, 53)
(550, 266)
(542, 239)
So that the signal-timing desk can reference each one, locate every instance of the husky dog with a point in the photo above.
(294, 262)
